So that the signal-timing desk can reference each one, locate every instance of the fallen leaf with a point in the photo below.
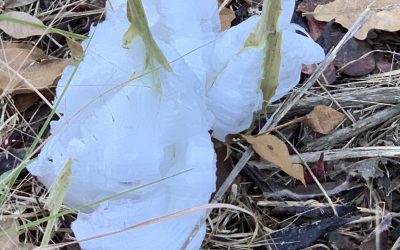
(14, 53)
(75, 47)
(354, 59)
(41, 75)
(318, 31)
(9, 4)
(226, 16)
(323, 119)
(383, 14)
(272, 149)
(33, 67)
(20, 31)
(385, 63)
(11, 240)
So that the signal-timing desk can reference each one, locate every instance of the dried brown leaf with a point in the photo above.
(226, 16)
(272, 149)
(20, 31)
(9, 4)
(383, 15)
(323, 119)
(75, 47)
(36, 53)
(21, 65)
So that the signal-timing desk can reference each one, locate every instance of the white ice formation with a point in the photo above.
(123, 136)
(233, 84)
(123, 133)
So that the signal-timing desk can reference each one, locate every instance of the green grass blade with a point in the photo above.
(55, 199)
(43, 27)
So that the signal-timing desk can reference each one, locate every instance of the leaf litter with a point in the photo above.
(360, 97)
(20, 31)
(272, 149)
(383, 14)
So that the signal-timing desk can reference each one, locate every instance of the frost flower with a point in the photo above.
(130, 118)
(236, 69)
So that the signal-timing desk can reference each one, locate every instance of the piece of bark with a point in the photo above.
(303, 236)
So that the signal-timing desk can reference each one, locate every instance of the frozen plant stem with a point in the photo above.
(267, 32)
(270, 21)
(139, 27)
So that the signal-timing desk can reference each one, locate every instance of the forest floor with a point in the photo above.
(342, 126)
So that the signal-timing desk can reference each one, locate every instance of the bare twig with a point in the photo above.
(349, 153)
(223, 4)
(337, 154)
(349, 98)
